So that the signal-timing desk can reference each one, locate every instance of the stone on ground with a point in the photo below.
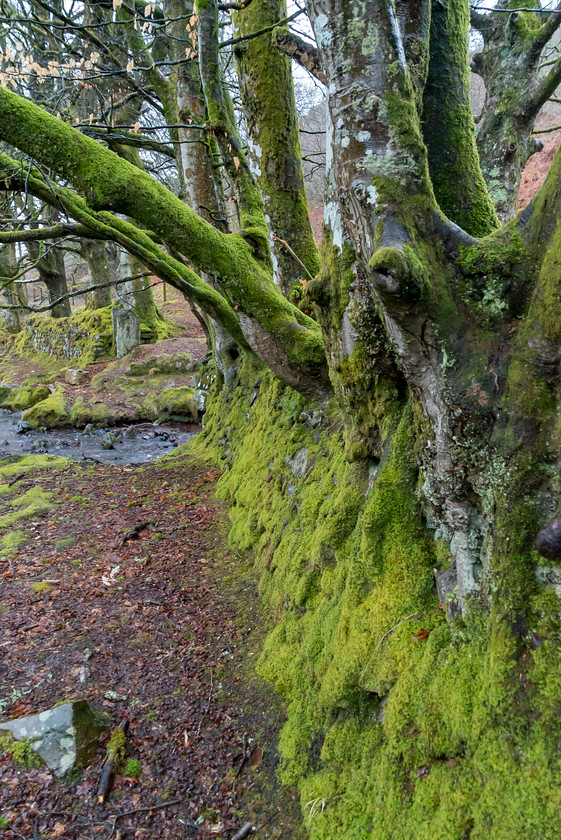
(126, 330)
(63, 737)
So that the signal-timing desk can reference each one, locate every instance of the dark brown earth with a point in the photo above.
(170, 623)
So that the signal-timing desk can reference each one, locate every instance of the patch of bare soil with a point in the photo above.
(156, 630)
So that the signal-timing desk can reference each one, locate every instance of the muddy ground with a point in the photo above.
(169, 624)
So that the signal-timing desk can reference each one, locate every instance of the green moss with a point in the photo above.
(391, 732)
(20, 752)
(132, 768)
(65, 542)
(86, 335)
(116, 748)
(41, 587)
(26, 396)
(12, 542)
(448, 125)
(171, 404)
(48, 413)
(93, 411)
(34, 502)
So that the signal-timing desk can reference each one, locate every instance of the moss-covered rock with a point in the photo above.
(26, 396)
(48, 413)
(171, 404)
(92, 411)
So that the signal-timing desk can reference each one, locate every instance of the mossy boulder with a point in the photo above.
(49, 412)
(26, 396)
(167, 364)
(172, 404)
(62, 737)
(84, 412)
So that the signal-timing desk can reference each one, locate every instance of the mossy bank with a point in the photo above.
(399, 724)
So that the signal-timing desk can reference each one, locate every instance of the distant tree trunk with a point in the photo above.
(49, 262)
(94, 251)
(136, 293)
(8, 268)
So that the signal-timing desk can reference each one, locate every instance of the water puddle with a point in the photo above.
(135, 444)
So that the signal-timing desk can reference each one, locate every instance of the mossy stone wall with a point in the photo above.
(398, 724)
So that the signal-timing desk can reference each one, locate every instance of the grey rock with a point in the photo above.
(551, 577)
(130, 433)
(126, 330)
(11, 321)
(199, 398)
(446, 589)
(89, 429)
(63, 737)
(22, 426)
(298, 463)
(313, 417)
(108, 440)
(75, 376)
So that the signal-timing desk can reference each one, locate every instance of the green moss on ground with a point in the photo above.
(398, 725)
(25, 397)
(12, 542)
(17, 507)
(20, 752)
(48, 413)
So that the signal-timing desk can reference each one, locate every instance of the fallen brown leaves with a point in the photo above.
(140, 629)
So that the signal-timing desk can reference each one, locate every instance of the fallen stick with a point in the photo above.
(107, 772)
(134, 532)
(243, 832)
(16, 478)
(143, 810)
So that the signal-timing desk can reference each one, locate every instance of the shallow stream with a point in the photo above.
(134, 444)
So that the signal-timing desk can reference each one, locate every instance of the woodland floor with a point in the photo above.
(17, 370)
(170, 624)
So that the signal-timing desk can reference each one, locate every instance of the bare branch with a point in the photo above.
(305, 54)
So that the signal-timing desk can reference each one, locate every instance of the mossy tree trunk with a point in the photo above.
(518, 82)
(267, 93)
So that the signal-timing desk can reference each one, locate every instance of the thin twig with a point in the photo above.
(385, 636)
(141, 811)
(296, 257)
